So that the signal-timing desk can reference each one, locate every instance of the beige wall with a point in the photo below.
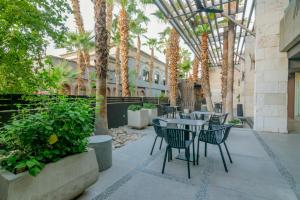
(271, 69)
(247, 80)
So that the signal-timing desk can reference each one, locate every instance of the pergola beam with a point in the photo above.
(239, 24)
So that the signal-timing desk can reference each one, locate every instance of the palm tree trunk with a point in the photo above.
(224, 70)
(151, 71)
(195, 69)
(138, 64)
(167, 65)
(174, 59)
(109, 18)
(85, 54)
(123, 28)
(230, 75)
(205, 71)
(77, 16)
(101, 62)
(117, 69)
(80, 68)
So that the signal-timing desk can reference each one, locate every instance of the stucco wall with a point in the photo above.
(247, 77)
(271, 69)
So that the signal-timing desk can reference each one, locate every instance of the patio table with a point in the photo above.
(202, 113)
(187, 123)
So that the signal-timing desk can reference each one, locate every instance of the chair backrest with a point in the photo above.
(214, 120)
(214, 135)
(224, 116)
(184, 116)
(159, 129)
(176, 137)
(226, 133)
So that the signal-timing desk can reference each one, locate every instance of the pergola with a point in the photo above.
(182, 15)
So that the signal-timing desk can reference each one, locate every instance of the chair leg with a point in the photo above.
(198, 152)
(187, 154)
(224, 163)
(228, 152)
(153, 145)
(163, 169)
(205, 150)
(161, 143)
(193, 153)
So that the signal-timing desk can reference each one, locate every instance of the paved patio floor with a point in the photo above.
(265, 166)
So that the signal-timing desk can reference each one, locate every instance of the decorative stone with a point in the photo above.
(61, 180)
(103, 149)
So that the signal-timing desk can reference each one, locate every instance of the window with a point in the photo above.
(164, 81)
(156, 78)
(145, 75)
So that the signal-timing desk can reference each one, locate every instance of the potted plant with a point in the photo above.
(239, 107)
(45, 155)
(152, 111)
(137, 117)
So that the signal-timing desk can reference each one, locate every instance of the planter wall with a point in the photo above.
(62, 180)
(152, 113)
(138, 119)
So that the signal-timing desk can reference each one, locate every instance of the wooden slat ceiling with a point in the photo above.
(182, 13)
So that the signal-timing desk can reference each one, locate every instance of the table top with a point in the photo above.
(192, 122)
(206, 113)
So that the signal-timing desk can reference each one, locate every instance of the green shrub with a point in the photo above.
(34, 139)
(149, 106)
(235, 122)
(134, 107)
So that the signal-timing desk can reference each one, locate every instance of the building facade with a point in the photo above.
(158, 79)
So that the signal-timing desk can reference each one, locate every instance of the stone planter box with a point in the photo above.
(62, 180)
(137, 119)
(152, 113)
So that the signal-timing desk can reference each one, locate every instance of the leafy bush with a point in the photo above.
(235, 122)
(149, 106)
(34, 139)
(134, 107)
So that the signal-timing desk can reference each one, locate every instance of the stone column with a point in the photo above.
(271, 69)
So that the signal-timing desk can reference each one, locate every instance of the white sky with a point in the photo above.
(87, 12)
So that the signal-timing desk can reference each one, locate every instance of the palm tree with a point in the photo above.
(83, 55)
(203, 30)
(137, 29)
(115, 42)
(152, 44)
(224, 69)
(80, 42)
(101, 62)
(174, 59)
(230, 73)
(164, 44)
(124, 38)
(185, 63)
(109, 19)
(60, 75)
(196, 63)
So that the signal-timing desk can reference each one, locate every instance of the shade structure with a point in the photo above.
(184, 16)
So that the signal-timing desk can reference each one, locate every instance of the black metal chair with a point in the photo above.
(179, 139)
(217, 135)
(159, 130)
(224, 117)
(184, 115)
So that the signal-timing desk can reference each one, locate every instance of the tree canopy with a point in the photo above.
(26, 28)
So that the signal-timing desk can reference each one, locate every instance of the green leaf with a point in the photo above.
(34, 171)
(21, 165)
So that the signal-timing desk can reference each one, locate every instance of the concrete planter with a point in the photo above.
(62, 180)
(137, 119)
(152, 113)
